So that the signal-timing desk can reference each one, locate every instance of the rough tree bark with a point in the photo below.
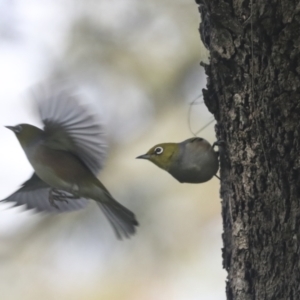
(253, 90)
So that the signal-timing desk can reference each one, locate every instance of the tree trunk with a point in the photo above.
(253, 90)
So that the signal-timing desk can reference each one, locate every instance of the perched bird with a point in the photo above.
(192, 161)
(66, 157)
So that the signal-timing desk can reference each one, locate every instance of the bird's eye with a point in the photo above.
(158, 150)
(18, 129)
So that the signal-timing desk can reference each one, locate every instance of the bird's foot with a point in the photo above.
(56, 195)
(59, 196)
(217, 176)
(218, 143)
(52, 199)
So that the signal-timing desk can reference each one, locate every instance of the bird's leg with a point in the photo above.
(71, 197)
(59, 196)
(217, 176)
(52, 199)
(56, 195)
(75, 191)
(218, 143)
(62, 196)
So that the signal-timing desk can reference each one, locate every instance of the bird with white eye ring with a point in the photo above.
(158, 150)
(67, 155)
(191, 161)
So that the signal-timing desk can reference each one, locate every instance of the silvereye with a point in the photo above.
(192, 161)
(66, 157)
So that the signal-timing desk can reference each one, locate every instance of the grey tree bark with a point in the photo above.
(253, 91)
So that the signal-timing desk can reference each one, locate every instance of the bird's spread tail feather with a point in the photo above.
(121, 219)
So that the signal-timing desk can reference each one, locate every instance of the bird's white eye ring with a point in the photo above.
(158, 150)
(18, 129)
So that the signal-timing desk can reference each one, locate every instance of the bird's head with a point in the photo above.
(163, 155)
(26, 133)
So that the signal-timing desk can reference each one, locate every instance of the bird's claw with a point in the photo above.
(55, 195)
(52, 199)
(54, 205)
(218, 143)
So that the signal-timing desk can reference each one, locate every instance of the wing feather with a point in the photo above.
(70, 126)
(34, 193)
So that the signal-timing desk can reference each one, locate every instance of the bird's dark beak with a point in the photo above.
(12, 128)
(144, 156)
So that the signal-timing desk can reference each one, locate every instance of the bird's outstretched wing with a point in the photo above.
(71, 127)
(34, 193)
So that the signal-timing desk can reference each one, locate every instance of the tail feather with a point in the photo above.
(121, 219)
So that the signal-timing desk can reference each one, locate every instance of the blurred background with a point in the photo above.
(137, 62)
